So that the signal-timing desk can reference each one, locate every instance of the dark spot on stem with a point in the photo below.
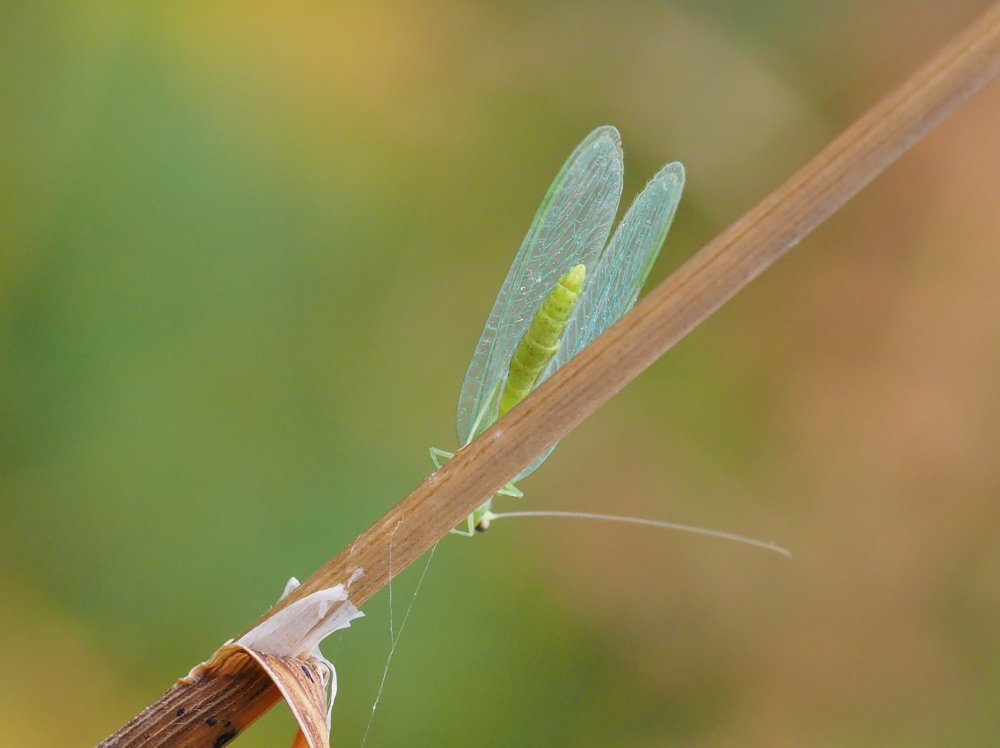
(225, 738)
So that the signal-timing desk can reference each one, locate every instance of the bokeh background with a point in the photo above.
(246, 253)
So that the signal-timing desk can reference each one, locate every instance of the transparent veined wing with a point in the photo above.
(621, 270)
(624, 266)
(571, 226)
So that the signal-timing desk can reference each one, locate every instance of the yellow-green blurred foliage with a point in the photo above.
(246, 252)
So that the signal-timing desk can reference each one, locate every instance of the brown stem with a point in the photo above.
(669, 312)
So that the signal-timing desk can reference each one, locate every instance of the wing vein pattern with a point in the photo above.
(571, 226)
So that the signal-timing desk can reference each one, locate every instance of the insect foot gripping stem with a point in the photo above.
(541, 340)
(439, 457)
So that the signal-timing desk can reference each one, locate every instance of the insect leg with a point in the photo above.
(469, 530)
(511, 490)
(439, 457)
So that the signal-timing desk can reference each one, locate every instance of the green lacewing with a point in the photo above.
(533, 329)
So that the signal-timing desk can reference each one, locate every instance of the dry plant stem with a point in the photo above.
(677, 305)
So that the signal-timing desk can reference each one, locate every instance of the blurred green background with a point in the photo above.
(247, 250)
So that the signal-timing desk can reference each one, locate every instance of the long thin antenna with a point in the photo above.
(662, 524)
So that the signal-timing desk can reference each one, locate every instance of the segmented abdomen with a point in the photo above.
(541, 340)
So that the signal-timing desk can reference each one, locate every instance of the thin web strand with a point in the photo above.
(392, 635)
(662, 524)
(398, 634)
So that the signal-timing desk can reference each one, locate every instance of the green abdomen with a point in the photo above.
(541, 341)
